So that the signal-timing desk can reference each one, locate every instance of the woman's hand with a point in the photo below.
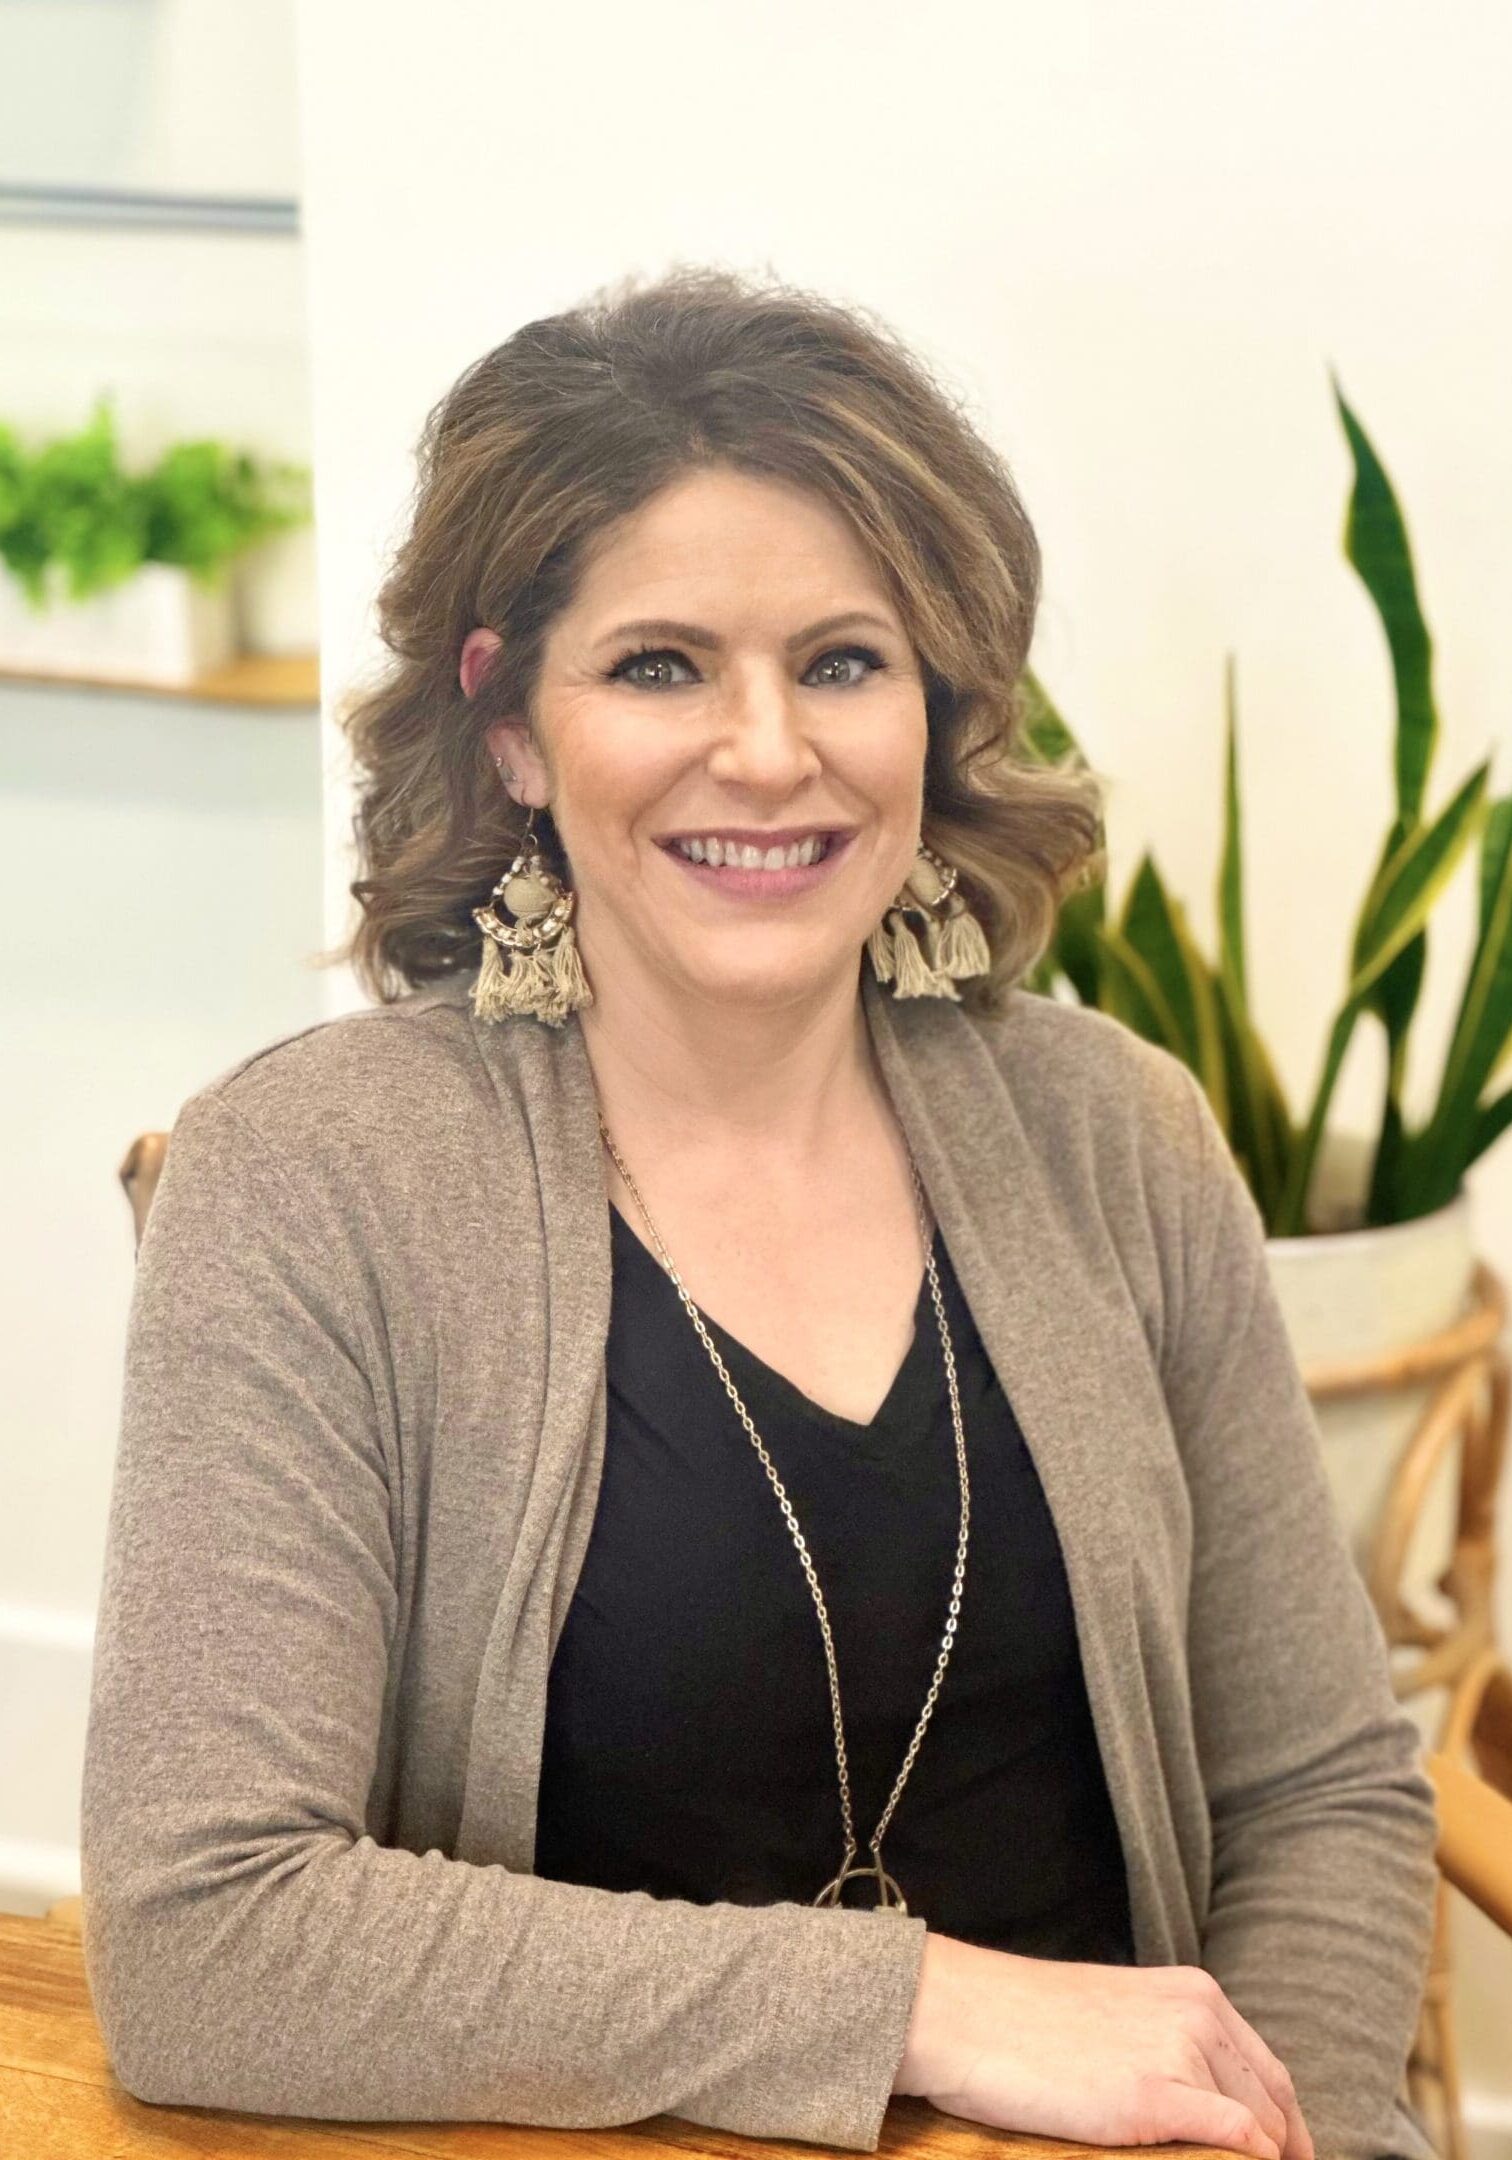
(1109, 2054)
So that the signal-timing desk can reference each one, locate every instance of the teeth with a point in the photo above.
(723, 854)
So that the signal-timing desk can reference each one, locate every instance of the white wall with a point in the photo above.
(160, 862)
(1138, 236)
(183, 96)
(160, 877)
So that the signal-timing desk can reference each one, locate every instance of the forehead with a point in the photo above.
(744, 541)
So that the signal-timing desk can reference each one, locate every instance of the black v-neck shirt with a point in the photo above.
(689, 1742)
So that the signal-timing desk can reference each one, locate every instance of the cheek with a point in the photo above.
(609, 781)
(884, 748)
(885, 770)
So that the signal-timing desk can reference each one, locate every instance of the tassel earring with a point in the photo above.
(533, 964)
(954, 943)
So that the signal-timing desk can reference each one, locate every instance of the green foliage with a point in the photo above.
(71, 503)
(1147, 969)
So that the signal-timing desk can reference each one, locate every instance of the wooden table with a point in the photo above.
(60, 2101)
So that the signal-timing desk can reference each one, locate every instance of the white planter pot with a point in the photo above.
(1350, 1294)
(158, 626)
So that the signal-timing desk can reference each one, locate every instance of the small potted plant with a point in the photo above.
(129, 576)
(1371, 1246)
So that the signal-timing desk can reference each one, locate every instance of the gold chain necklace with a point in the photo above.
(889, 1896)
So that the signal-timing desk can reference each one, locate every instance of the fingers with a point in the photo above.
(1267, 2068)
(1233, 2073)
(1214, 2118)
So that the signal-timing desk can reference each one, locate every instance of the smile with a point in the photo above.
(745, 871)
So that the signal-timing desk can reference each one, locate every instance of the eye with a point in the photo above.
(874, 661)
(625, 670)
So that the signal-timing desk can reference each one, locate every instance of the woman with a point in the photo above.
(714, 1514)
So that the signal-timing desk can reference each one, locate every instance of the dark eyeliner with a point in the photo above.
(874, 661)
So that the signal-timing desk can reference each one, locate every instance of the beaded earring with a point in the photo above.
(954, 943)
(531, 965)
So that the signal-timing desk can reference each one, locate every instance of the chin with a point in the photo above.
(778, 981)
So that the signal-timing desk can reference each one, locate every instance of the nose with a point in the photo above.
(764, 743)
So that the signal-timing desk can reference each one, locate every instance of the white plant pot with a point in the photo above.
(1349, 1294)
(160, 625)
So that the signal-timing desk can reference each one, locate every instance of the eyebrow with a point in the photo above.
(691, 634)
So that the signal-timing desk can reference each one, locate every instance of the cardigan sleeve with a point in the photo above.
(248, 1944)
(1323, 1817)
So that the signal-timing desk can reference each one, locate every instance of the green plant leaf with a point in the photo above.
(1375, 541)
(1259, 1122)
(1045, 733)
(75, 507)
(1155, 927)
(1231, 960)
(1132, 993)
(1393, 999)
(1211, 1066)
(12, 481)
(1076, 942)
(1483, 1024)
(1410, 879)
(1484, 1019)
(1291, 1210)
(1490, 1123)
(206, 503)
(1075, 950)
(1149, 926)
(1496, 847)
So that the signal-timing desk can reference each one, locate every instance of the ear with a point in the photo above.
(523, 772)
(478, 649)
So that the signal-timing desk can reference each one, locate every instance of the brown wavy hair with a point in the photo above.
(576, 420)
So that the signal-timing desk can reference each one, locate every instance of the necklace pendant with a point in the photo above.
(894, 1903)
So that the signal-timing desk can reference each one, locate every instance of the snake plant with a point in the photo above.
(1145, 967)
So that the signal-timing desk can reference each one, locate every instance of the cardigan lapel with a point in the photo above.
(547, 1072)
(983, 1159)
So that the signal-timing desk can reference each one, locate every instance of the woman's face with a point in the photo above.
(689, 695)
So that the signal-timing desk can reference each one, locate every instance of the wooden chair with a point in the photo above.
(1464, 1425)
(140, 1170)
(1471, 1767)
(1472, 1773)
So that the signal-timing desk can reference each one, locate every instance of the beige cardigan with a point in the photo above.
(362, 1430)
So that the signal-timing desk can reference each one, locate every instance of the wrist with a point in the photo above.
(951, 1974)
(912, 2074)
